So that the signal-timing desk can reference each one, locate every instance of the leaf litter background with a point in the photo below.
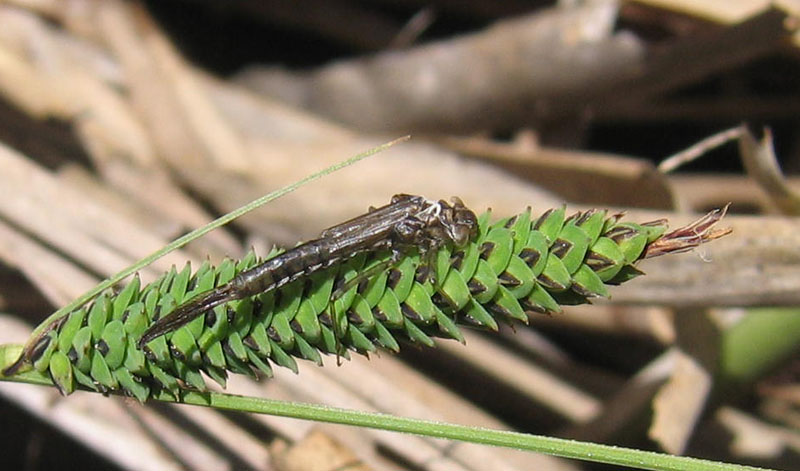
(125, 124)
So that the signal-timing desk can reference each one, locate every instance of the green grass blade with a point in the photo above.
(536, 443)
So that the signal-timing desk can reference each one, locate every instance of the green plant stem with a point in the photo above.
(521, 441)
(764, 338)
(221, 221)
(536, 443)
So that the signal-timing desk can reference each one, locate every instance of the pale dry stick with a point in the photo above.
(724, 12)
(627, 404)
(156, 192)
(97, 236)
(382, 392)
(651, 322)
(493, 78)
(421, 397)
(413, 28)
(759, 161)
(56, 277)
(223, 145)
(391, 386)
(418, 451)
(249, 449)
(108, 128)
(48, 222)
(701, 148)
(762, 165)
(678, 404)
(541, 386)
(47, 82)
(175, 442)
(574, 175)
(295, 431)
(151, 94)
(753, 437)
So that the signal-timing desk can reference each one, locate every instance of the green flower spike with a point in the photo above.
(512, 268)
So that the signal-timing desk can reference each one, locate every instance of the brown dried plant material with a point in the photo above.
(577, 176)
(540, 64)
(762, 165)
(316, 452)
(689, 237)
(678, 404)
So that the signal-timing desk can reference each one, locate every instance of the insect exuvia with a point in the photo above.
(409, 222)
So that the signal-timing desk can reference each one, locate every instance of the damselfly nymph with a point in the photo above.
(407, 223)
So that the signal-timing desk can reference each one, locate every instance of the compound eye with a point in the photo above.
(464, 226)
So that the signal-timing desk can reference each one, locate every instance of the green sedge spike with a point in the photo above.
(372, 300)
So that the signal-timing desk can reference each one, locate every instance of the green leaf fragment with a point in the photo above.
(385, 338)
(81, 344)
(180, 284)
(415, 334)
(587, 283)
(84, 380)
(128, 295)
(534, 254)
(135, 320)
(135, 361)
(541, 301)
(497, 249)
(518, 278)
(215, 356)
(631, 239)
(506, 305)
(455, 291)
(101, 374)
(549, 224)
(236, 347)
(43, 350)
(262, 365)
(131, 385)
(477, 315)
(68, 330)
(360, 313)
(484, 284)
(281, 332)
(388, 309)
(99, 315)
(570, 246)
(521, 229)
(401, 277)
(307, 351)
(592, 222)
(605, 258)
(166, 380)
(358, 341)
(113, 343)
(555, 276)
(280, 357)
(418, 305)
(61, 373)
(321, 288)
